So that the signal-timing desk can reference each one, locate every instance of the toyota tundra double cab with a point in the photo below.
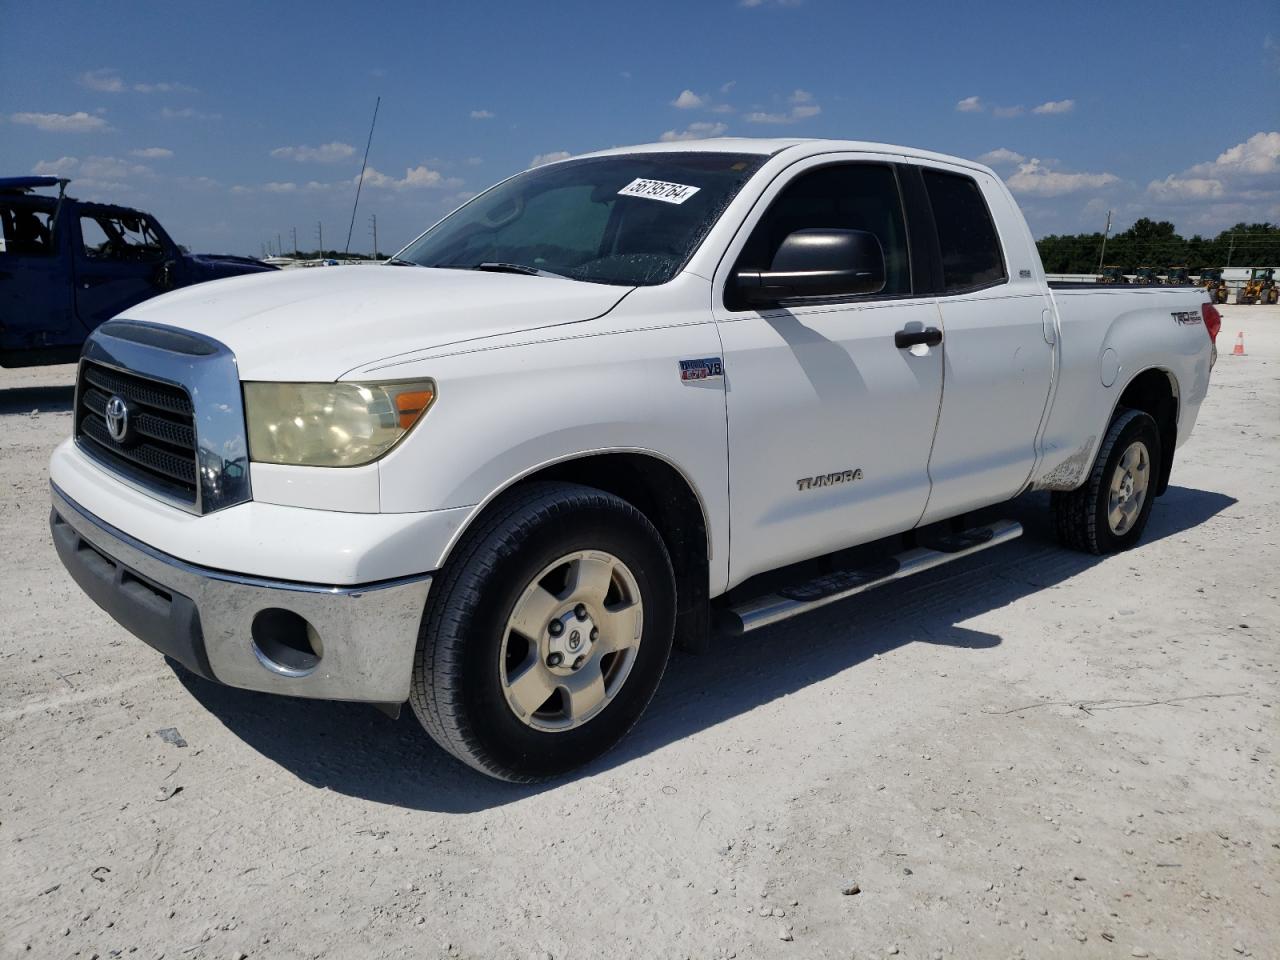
(640, 396)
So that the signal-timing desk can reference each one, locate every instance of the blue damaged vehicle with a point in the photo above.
(67, 266)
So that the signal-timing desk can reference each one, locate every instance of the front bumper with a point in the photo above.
(305, 640)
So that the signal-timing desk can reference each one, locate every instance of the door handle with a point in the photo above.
(929, 336)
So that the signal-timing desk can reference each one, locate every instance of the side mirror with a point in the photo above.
(164, 275)
(816, 263)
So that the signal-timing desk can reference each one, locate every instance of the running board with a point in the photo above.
(788, 602)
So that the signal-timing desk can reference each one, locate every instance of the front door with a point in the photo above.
(118, 260)
(830, 421)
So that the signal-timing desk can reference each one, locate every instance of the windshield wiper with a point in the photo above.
(397, 262)
(495, 267)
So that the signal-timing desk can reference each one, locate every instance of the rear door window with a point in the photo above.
(967, 238)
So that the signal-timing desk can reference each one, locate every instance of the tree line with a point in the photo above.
(1156, 243)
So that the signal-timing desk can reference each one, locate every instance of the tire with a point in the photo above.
(528, 555)
(1084, 517)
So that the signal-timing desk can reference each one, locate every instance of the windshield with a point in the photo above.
(630, 220)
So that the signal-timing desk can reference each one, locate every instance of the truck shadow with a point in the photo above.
(354, 750)
(42, 399)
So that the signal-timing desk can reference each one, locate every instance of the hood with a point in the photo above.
(230, 260)
(317, 324)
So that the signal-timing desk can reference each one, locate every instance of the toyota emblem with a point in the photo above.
(117, 416)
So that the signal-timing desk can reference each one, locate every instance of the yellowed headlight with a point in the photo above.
(331, 424)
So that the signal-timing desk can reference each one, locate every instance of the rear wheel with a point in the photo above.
(546, 634)
(1110, 511)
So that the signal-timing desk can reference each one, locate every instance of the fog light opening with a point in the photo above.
(285, 642)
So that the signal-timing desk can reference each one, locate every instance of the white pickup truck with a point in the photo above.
(628, 398)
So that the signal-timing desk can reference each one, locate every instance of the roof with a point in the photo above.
(794, 146)
(29, 183)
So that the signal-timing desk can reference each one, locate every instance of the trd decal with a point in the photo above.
(1188, 318)
(828, 479)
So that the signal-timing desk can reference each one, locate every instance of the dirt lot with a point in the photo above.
(1031, 753)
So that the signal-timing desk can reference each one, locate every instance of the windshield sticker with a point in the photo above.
(658, 190)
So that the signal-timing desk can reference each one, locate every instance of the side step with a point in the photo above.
(788, 602)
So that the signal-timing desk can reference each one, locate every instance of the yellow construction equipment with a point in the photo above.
(1260, 287)
(1147, 276)
(1214, 285)
(1178, 277)
(1113, 275)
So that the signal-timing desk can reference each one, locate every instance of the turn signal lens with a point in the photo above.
(412, 404)
(331, 424)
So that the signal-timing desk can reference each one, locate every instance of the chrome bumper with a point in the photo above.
(302, 640)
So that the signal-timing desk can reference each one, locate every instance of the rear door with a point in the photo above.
(999, 357)
(829, 421)
(118, 260)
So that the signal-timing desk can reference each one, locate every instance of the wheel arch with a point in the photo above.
(1155, 391)
(659, 489)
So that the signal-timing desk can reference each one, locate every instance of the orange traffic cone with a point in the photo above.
(1238, 349)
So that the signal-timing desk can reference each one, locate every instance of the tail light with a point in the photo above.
(1212, 320)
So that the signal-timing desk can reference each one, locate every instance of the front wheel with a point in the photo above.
(1110, 511)
(546, 634)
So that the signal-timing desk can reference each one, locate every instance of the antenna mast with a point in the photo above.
(360, 182)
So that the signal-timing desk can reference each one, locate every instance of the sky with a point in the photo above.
(235, 123)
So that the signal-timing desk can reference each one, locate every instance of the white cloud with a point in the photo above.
(415, 178)
(164, 88)
(1259, 155)
(188, 113)
(94, 168)
(474, 161)
(802, 108)
(481, 115)
(59, 167)
(112, 168)
(1035, 179)
(769, 3)
(79, 122)
(970, 105)
(152, 153)
(278, 187)
(726, 87)
(104, 80)
(1185, 188)
(1005, 112)
(1001, 156)
(108, 80)
(694, 131)
(1055, 106)
(1249, 171)
(551, 157)
(688, 100)
(333, 152)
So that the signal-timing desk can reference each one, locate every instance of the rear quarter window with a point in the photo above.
(967, 238)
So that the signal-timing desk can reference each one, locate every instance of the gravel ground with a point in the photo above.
(1030, 753)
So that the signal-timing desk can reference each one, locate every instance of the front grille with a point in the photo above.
(159, 450)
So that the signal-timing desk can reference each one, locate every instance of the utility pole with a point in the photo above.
(1231, 249)
(279, 246)
(294, 230)
(320, 237)
(1105, 233)
(373, 220)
